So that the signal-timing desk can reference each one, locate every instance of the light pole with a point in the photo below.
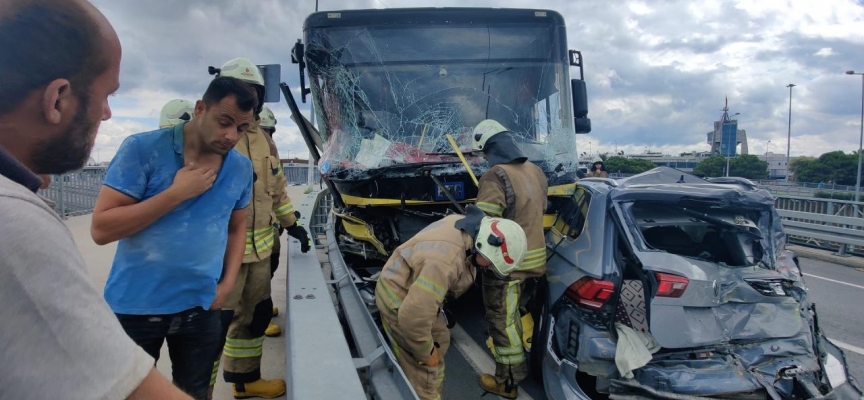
(789, 132)
(860, 136)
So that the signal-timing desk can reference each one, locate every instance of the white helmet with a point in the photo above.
(244, 70)
(484, 131)
(502, 242)
(268, 120)
(175, 111)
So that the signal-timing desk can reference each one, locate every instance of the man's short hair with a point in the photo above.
(224, 86)
(44, 40)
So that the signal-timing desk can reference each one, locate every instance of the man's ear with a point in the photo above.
(199, 108)
(57, 100)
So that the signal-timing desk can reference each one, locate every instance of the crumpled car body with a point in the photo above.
(668, 286)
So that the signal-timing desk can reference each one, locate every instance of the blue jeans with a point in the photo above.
(193, 344)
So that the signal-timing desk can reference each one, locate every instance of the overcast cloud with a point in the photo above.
(657, 71)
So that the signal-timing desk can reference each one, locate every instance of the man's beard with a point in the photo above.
(71, 149)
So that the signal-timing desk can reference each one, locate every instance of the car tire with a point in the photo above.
(539, 312)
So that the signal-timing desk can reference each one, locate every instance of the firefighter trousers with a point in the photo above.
(501, 298)
(427, 381)
(252, 311)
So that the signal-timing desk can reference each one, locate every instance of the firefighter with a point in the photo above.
(515, 189)
(249, 307)
(439, 261)
(598, 169)
(268, 126)
(175, 111)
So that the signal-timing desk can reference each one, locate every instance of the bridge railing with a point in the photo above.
(74, 193)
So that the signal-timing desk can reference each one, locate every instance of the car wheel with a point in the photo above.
(540, 312)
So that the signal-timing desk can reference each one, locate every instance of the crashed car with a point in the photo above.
(668, 286)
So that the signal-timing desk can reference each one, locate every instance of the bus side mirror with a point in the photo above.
(272, 74)
(581, 122)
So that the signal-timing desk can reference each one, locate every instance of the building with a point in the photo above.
(777, 167)
(726, 136)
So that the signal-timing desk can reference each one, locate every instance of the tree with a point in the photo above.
(748, 166)
(836, 166)
(744, 166)
(711, 167)
(628, 165)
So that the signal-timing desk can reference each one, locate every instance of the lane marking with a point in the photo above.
(834, 280)
(847, 346)
(476, 356)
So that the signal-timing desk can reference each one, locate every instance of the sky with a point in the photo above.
(657, 72)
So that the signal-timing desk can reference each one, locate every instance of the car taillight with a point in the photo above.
(669, 285)
(589, 292)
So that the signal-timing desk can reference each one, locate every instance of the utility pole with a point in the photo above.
(789, 132)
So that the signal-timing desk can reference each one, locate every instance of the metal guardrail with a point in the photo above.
(361, 366)
(75, 193)
(825, 223)
(823, 230)
(375, 361)
(318, 359)
(299, 174)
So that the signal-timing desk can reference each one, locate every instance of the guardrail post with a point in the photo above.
(61, 203)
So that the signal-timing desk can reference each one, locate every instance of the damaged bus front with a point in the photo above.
(397, 93)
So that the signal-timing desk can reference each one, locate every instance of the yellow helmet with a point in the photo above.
(175, 111)
(503, 243)
(484, 131)
(246, 71)
(268, 120)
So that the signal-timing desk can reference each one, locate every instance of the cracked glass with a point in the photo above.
(390, 94)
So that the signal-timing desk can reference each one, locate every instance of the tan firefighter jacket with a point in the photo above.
(417, 277)
(270, 202)
(518, 192)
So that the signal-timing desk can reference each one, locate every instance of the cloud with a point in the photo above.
(657, 72)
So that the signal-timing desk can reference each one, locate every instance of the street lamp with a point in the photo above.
(860, 136)
(789, 132)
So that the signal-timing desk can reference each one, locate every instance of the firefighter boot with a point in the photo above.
(261, 388)
(273, 330)
(489, 384)
(275, 311)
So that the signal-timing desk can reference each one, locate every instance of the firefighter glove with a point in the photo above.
(298, 232)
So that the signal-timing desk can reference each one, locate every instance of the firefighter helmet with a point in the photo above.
(484, 131)
(268, 120)
(175, 111)
(503, 243)
(244, 70)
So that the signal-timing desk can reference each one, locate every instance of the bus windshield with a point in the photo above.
(390, 94)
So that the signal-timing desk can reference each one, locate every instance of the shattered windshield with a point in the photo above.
(391, 94)
(709, 234)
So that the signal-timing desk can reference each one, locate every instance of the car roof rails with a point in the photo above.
(607, 181)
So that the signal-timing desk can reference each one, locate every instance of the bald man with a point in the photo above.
(60, 62)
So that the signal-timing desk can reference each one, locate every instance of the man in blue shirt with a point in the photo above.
(175, 200)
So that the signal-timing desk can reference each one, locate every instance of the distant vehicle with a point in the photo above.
(700, 270)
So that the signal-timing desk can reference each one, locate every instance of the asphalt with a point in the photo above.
(836, 287)
(839, 307)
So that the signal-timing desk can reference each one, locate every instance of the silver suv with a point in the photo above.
(665, 285)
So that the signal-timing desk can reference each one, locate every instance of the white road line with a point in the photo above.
(476, 356)
(847, 346)
(835, 281)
